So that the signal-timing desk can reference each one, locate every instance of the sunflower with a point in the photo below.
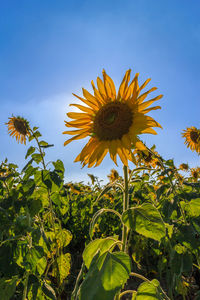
(192, 138)
(195, 173)
(114, 175)
(147, 158)
(18, 127)
(184, 167)
(112, 120)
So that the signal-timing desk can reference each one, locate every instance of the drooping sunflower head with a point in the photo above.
(192, 138)
(146, 157)
(184, 167)
(112, 120)
(92, 177)
(195, 173)
(114, 175)
(18, 127)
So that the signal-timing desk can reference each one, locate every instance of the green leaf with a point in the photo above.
(35, 207)
(101, 245)
(149, 291)
(44, 144)
(37, 134)
(30, 170)
(146, 220)
(30, 151)
(55, 178)
(28, 163)
(107, 275)
(46, 179)
(64, 263)
(193, 208)
(63, 237)
(36, 260)
(37, 157)
(58, 165)
(7, 287)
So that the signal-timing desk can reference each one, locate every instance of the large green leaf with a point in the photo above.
(193, 208)
(93, 247)
(7, 287)
(146, 220)
(149, 291)
(107, 275)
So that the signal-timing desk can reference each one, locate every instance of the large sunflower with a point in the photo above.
(192, 138)
(112, 120)
(18, 127)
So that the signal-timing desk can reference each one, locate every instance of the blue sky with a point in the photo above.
(51, 49)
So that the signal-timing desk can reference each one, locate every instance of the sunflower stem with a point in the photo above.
(53, 219)
(125, 207)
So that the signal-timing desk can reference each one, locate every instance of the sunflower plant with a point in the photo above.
(34, 262)
(113, 122)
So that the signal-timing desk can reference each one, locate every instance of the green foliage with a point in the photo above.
(107, 274)
(146, 220)
(47, 225)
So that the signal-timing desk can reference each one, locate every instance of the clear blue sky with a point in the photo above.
(50, 49)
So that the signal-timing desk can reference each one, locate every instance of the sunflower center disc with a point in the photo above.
(20, 126)
(194, 136)
(112, 121)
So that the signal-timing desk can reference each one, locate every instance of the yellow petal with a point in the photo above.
(83, 108)
(97, 94)
(110, 82)
(75, 115)
(145, 111)
(122, 156)
(141, 98)
(78, 124)
(91, 98)
(149, 130)
(149, 102)
(101, 88)
(140, 145)
(144, 84)
(101, 157)
(76, 137)
(126, 141)
(72, 132)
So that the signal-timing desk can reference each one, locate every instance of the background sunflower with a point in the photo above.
(18, 127)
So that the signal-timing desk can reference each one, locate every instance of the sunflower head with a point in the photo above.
(92, 177)
(18, 127)
(112, 120)
(192, 138)
(184, 167)
(195, 173)
(114, 175)
(147, 158)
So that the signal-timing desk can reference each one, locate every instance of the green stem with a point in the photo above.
(50, 203)
(125, 207)
(25, 286)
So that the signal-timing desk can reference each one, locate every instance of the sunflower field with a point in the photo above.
(137, 237)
